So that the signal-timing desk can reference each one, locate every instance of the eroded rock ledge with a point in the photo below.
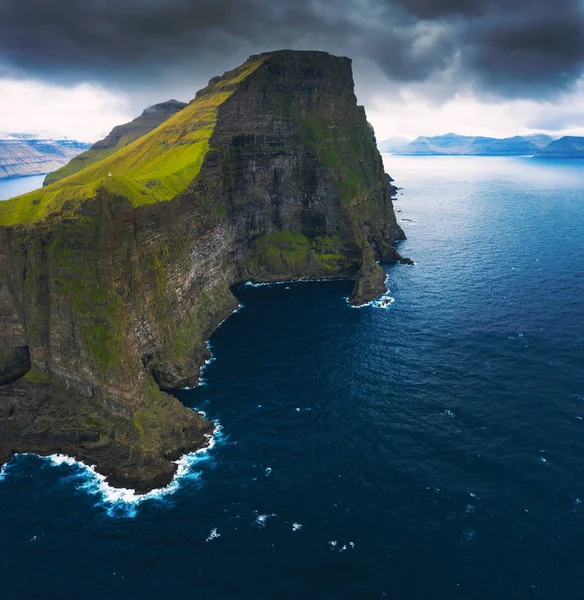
(112, 279)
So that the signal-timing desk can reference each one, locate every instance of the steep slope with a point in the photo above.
(112, 279)
(22, 155)
(454, 144)
(119, 137)
(565, 147)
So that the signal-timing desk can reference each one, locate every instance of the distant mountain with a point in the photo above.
(566, 147)
(455, 144)
(393, 144)
(541, 140)
(118, 137)
(23, 154)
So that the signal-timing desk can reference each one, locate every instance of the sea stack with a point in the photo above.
(112, 278)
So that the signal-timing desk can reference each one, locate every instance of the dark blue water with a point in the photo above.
(19, 185)
(434, 449)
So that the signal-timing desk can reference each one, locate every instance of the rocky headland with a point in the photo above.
(112, 278)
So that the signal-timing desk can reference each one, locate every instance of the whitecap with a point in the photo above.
(261, 519)
(296, 526)
(447, 413)
(268, 471)
(213, 535)
(335, 546)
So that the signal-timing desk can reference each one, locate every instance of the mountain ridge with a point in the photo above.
(569, 146)
(119, 137)
(458, 145)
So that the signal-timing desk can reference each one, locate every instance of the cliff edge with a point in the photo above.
(112, 278)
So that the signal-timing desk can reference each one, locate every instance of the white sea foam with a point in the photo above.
(335, 547)
(358, 305)
(213, 535)
(268, 471)
(447, 413)
(384, 301)
(124, 502)
(289, 281)
(261, 519)
(296, 526)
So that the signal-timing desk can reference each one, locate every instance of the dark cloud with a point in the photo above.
(510, 47)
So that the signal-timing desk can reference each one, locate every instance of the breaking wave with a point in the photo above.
(124, 502)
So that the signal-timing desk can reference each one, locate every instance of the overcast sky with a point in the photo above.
(76, 68)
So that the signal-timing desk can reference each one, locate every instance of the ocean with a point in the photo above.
(431, 449)
(15, 186)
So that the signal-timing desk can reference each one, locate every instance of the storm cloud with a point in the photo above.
(510, 48)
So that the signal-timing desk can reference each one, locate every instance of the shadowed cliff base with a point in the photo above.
(112, 279)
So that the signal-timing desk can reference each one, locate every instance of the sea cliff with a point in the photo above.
(112, 278)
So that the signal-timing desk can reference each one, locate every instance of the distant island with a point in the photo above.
(464, 145)
(25, 154)
(538, 145)
(566, 147)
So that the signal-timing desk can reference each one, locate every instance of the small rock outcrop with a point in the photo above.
(112, 279)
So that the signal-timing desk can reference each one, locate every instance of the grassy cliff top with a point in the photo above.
(117, 138)
(156, 167)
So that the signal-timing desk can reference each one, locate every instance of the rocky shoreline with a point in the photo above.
(112, 279)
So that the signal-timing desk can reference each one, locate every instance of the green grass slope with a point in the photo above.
(154, 168)
(119, 137)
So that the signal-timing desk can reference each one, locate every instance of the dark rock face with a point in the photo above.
(112, 303)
